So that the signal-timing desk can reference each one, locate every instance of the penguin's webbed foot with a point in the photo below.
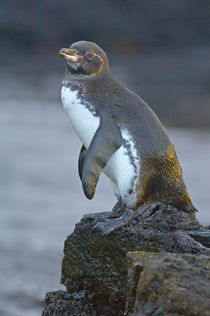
(109, 225)
(116, 212)
(150, 210)
(97, 216)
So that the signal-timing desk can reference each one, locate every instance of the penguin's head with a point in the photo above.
(85, 58)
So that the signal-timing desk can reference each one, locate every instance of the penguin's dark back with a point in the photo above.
(130, 112)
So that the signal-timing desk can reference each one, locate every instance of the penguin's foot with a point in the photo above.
(109, 225)
(150, 210)
(116, 212)
(97, 216)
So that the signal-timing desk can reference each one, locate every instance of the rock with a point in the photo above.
(95, 265)
(168, 284)
(61, 303)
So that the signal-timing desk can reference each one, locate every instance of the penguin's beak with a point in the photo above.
(70, 54)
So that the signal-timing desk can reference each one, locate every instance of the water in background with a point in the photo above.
(41, 197)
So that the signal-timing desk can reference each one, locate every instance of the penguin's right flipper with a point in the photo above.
(105, 142)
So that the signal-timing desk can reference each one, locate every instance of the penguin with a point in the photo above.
(121, 136)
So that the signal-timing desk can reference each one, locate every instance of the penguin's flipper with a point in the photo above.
(81, 160)
(105, 142)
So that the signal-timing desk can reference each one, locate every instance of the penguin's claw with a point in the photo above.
(105, 227)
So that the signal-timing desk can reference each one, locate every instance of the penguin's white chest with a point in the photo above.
(84, 122)
(123, 167)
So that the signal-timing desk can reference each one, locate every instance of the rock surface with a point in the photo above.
(61, 303)
(95, 266)
(168, 284)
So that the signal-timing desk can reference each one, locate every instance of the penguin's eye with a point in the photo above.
(89, 55)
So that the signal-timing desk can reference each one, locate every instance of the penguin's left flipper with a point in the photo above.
(105, 142)
(81, 160)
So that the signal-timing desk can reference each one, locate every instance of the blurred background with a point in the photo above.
(159, 49)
